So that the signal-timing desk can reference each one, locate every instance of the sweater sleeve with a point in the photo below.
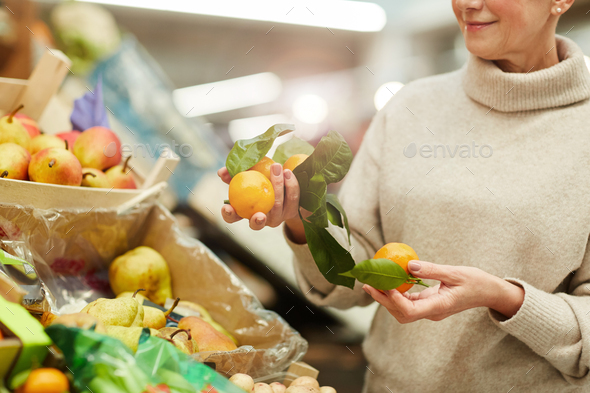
(359, 196)
(556, 325)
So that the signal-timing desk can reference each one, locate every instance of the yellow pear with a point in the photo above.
(139, 297)
(12, 130)
(192, 306)
(223, 330)
(142, 267)
(128, 335)
(184, 342)
(208, 339)
(126, 311)
(156, 318)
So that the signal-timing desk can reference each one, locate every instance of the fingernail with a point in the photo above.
(259, 221)
(415, 266)
(366, 289)
(226, 211)
(288, 174)
(276, 169)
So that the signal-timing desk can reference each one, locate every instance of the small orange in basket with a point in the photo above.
(401, 254)
(250, 192)
(263, 166)
(45, 380)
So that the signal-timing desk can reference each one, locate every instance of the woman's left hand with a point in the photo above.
(460, 289)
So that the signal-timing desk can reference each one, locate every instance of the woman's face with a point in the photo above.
(497, 29)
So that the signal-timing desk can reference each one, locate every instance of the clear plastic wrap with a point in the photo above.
(71, 251)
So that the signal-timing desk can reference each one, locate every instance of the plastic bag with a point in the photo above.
(72, 250)
(102, 364)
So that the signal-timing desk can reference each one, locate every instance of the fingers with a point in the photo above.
(443, 273)
(224, 175)
(229, 214)
(291, 204)
(258, 221)
(275, 216)
(403, 307)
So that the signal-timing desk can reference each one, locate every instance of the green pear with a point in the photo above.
(95, 178)
(12, 130)
(126, 311)
(192, 306)
(183, 342)
(140, 298)
(128, 335)
(155, 318)
(80, 320)
(142, 267)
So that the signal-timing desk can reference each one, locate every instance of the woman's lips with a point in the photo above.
(477, 26)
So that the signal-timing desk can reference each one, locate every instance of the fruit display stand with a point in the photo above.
(34, 94)
(72, 250)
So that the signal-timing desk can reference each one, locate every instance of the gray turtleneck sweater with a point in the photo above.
(487, 169)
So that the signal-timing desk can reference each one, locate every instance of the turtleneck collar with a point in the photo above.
(563, 84)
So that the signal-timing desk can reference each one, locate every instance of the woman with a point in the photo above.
(506, 226)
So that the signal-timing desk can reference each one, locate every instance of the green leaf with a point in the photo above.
(19, 379)
(348, 274)
(247, 152)
(380, 273)
(330, 257)
(292, 147)
(313, 198)
(336, 213)
(332, 158)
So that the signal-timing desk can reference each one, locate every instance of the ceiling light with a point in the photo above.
(335, 14)
(227, 95)
(310, 109)
(385, 92)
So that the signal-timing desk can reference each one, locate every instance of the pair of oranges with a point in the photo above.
(251, 191)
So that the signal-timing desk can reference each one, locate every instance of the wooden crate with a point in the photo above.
(34, 94)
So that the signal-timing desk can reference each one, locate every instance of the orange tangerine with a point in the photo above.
(294, 161)
(251, 192)
(263, 166)
(401, 254)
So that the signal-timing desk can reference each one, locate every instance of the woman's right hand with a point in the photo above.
(286, 207)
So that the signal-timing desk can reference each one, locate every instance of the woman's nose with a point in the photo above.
(466, 5)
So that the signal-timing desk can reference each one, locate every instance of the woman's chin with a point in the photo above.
(480, 49)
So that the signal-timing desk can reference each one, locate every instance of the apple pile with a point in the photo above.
(91, 158)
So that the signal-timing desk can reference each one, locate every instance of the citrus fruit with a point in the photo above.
(401, 254)
(46, 380)
(294, 161)
(250, 192)
(263, 166)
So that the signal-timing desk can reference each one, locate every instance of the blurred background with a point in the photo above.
(205, 73)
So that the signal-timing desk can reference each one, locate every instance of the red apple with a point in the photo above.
(56, 166)
(69, 136)
(30, 125)
(14, 161)
(98, 147)
(120, 176)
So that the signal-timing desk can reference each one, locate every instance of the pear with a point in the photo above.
(80, 320)
(139, 297)
(223, 330)
(70, 137)
(45, 141)
(183, 342)
(12, 130)
(30, 125)
(142, 267)
(208, 339)
(98, 147)
(55, 166)
(126, 312)
(128, 335)
(155, 318)
(121, 177)
(14, 161)
(203, 313)
(95, 178)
